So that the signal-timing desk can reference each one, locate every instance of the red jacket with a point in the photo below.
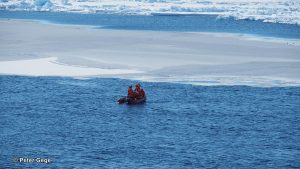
(130, 92)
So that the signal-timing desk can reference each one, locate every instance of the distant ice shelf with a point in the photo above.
(277, 11)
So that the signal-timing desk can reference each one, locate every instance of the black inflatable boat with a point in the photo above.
(131, 100)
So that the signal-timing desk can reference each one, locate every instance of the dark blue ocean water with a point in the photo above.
(77, 124)
(195, 23)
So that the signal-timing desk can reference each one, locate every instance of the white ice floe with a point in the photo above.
(49, 67)
(282, 11)
(179, 57)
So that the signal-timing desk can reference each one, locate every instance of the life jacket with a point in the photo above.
(130, 92)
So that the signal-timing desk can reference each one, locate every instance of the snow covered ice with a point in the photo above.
(181, 57)
(278, 11)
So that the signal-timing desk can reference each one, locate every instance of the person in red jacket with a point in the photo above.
(130, 92)
(137, 91)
